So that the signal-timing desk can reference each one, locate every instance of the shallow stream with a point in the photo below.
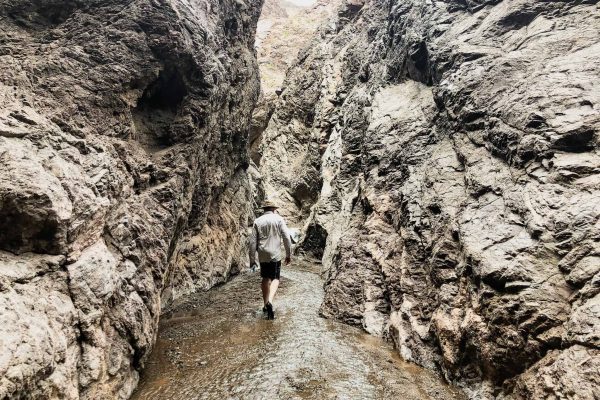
(217, 345)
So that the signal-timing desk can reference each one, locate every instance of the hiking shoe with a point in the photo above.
(270, 313)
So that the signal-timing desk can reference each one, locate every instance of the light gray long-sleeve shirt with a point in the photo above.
(268, 231)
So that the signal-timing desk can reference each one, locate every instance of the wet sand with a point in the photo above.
(218, 345)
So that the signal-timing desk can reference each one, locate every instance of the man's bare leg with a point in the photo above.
(266, 283)
(272, 290)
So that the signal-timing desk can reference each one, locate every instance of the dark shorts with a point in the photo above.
(270, 270)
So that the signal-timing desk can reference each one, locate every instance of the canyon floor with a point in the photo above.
(217, 344)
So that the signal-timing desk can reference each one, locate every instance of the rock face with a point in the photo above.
(274, 136)
(123, 136)
(444, 157)
(284, 29)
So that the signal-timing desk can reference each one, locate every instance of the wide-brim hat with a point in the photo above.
(268, 204)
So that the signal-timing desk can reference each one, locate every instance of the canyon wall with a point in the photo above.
(444, 157)
(123, 184)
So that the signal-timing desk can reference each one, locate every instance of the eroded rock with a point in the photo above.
(123, 137)
(451, 151)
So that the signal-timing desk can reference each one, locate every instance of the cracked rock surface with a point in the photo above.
(123, 184)
(444, 158)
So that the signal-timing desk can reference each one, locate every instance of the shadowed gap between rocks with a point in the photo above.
(158, 108)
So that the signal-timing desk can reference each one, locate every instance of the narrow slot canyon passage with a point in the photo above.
(438, 162)
(218, 345)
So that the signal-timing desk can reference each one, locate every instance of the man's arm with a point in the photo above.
(252, 246)
(287, 241)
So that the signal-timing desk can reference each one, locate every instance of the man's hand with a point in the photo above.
(288, 259)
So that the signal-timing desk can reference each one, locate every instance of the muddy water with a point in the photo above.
(217, 345)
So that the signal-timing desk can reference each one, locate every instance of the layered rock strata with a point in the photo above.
(123, 136)
(444, 156)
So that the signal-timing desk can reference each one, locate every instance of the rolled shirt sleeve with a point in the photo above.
(285, 237)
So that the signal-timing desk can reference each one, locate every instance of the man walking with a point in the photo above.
(268, 231)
